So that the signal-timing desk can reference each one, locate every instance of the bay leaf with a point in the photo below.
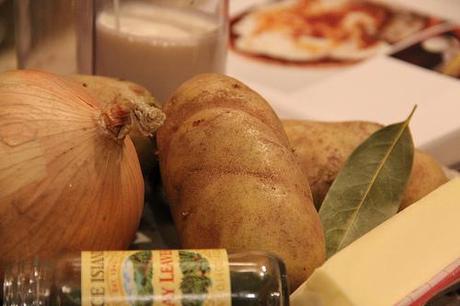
(369, 188)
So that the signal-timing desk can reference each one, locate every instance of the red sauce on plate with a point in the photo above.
(299, 20)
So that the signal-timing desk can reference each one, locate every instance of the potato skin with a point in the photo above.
(323, 147)
(426, 176)
(108, 89)
(231, 178)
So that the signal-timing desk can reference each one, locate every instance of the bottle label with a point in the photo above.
(151, 278)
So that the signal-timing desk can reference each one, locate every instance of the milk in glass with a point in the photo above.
(158, 47)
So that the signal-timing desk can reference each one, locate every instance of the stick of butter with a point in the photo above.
(404, 261)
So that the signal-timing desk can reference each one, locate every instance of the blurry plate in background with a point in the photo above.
(291, 44)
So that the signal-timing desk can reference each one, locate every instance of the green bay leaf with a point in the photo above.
(369, 188)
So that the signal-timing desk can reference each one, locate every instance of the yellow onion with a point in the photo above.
(69, 178)
(108, 90)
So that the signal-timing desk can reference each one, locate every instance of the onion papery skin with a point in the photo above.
(65, 185)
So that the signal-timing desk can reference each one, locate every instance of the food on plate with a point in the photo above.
(323, 147)
(231, 178)
(70, 179)
(404, 261)
(321, 31)
(108, 91)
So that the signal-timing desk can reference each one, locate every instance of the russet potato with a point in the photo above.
(323, 147)
(231, 178)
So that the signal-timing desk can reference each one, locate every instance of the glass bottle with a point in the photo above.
(254, 278)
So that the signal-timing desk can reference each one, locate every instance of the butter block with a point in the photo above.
(401, 262)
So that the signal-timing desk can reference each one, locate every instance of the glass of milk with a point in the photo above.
(160, 43)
